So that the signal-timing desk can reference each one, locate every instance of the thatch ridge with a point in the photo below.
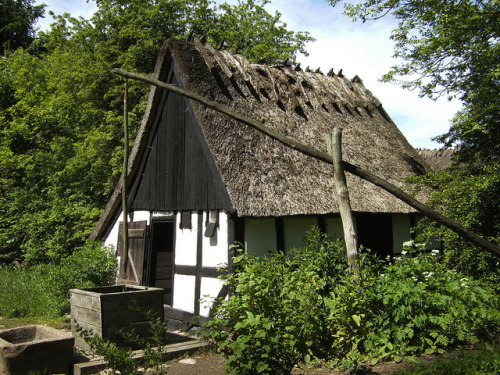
(437, 159)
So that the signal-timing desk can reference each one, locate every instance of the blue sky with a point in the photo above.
(357, 48)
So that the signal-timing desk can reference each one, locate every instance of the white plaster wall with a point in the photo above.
(260, 236)
(184, 286)
(215, 248)
(400, 232)
(209, 290)
(333, 227)
(186, 242)
(295, 229)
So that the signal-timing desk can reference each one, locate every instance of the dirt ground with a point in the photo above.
(213, 364)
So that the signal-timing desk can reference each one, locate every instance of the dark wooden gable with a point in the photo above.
(177, 171)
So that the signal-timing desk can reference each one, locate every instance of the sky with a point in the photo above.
(362, 49)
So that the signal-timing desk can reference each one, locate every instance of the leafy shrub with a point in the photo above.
(288, 309)
(470, 195)
(418, 305)
(277, 316)
(43, 290)
(93, 265)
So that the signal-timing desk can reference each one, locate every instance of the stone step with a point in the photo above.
(171, 351)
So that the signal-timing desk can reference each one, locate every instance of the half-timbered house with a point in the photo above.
(198, 180)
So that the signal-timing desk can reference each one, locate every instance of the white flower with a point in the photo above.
(408, 243)
(435, 252)
(404, 252)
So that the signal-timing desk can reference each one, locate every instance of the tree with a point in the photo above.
(17, 23)
(448, 47)
(451, 48)
(61, 114)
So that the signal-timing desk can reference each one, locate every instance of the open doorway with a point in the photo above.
(375, 233)
(163, 258)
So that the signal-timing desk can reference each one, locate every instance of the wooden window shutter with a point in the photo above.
(185, 220)
(131, 273)
(212, 223)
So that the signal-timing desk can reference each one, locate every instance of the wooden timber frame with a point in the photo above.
(325, 157)
(122, 273)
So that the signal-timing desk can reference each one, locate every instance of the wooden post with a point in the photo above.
(124, 259)
(325, 157)
(351, 239)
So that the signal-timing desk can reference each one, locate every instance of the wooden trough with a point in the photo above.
(106, 311)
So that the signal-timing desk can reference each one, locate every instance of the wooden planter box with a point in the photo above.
(29, 349)
(106, 311)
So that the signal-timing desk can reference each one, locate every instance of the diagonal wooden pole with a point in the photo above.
(325, 157)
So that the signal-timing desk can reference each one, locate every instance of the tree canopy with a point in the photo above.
(61, 110)
(17, 23)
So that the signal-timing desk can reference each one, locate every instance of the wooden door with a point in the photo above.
(131, 273)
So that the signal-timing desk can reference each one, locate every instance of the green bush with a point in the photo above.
(42, 291)
(277, 316)
(93, 265)
(287, 309)
(418, 305)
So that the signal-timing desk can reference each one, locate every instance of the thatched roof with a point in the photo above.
(263, 177)
(437, 159)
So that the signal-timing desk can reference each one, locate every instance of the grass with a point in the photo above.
(24, 294)
(58, 323)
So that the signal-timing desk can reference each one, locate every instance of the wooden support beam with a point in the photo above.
(124, 255)
(351, 239)
(325, 157)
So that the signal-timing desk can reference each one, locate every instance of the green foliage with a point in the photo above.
(120, 358)
(471, 198)
(61, 112)
(273, 320)
(43, 290)
(288, 309)
(481, 362)
(249, 29)
(24, 294)
(420, 306)
(93, 265)
(17, 23)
